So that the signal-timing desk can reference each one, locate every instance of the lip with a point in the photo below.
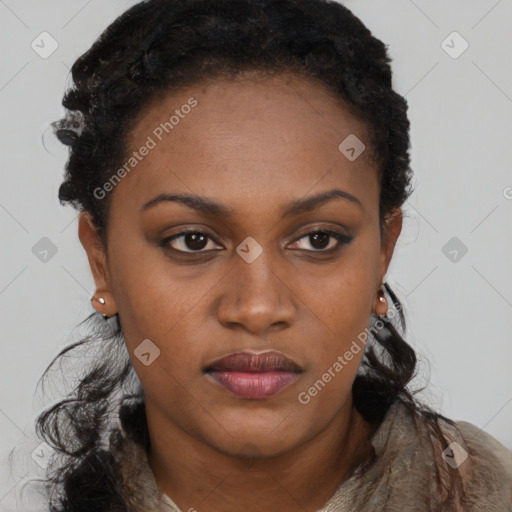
(253, 376)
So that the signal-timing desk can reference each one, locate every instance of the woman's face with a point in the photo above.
(254, 278)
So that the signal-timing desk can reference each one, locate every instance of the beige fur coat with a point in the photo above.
(402, 478)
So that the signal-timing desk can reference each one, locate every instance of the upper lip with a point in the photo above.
(250, 362)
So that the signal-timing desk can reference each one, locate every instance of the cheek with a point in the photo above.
(152, 296)
(342, 303)
(342, 296)
(337, 355)
(159, 310)
(162, 306)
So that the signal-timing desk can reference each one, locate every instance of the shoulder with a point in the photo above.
(483, 464)
(484, 446)
(488, 477)
(428, 463)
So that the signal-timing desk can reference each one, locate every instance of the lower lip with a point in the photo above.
(254, 384)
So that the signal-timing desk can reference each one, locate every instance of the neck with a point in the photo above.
(197, 476)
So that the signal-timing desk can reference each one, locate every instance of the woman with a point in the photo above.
(240, 168)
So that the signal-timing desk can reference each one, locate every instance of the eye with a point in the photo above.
(323, 240)
(188, 241)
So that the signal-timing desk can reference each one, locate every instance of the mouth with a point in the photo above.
(253, 376)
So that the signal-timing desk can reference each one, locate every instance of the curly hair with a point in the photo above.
(159, 46)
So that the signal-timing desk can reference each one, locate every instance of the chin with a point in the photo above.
(262, 438)
(255, 449)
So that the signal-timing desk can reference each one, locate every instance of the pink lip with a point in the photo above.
(254, 385)
(254, 376)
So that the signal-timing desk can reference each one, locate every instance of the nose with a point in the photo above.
(257, 297)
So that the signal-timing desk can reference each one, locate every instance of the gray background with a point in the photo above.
(458, 306)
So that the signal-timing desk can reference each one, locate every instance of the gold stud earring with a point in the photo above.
(101, 300)
(382, 300)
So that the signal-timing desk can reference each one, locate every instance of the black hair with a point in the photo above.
(159, 46)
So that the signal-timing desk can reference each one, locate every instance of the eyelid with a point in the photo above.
(308, 230)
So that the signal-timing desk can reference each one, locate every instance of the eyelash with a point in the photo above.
(341, 239)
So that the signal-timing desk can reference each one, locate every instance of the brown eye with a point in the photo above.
(321, 240)
(187, 241)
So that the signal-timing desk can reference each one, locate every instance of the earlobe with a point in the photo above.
(104, 303)
(381, 306)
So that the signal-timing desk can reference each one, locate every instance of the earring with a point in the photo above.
(383, 301)
(101, 300)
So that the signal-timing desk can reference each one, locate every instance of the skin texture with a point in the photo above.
(254, 145)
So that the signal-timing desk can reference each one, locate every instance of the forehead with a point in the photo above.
(276, 136)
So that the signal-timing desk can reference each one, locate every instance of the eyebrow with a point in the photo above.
(211, 207)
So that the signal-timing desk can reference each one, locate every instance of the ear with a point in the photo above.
(391, 232)
(91, 242)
